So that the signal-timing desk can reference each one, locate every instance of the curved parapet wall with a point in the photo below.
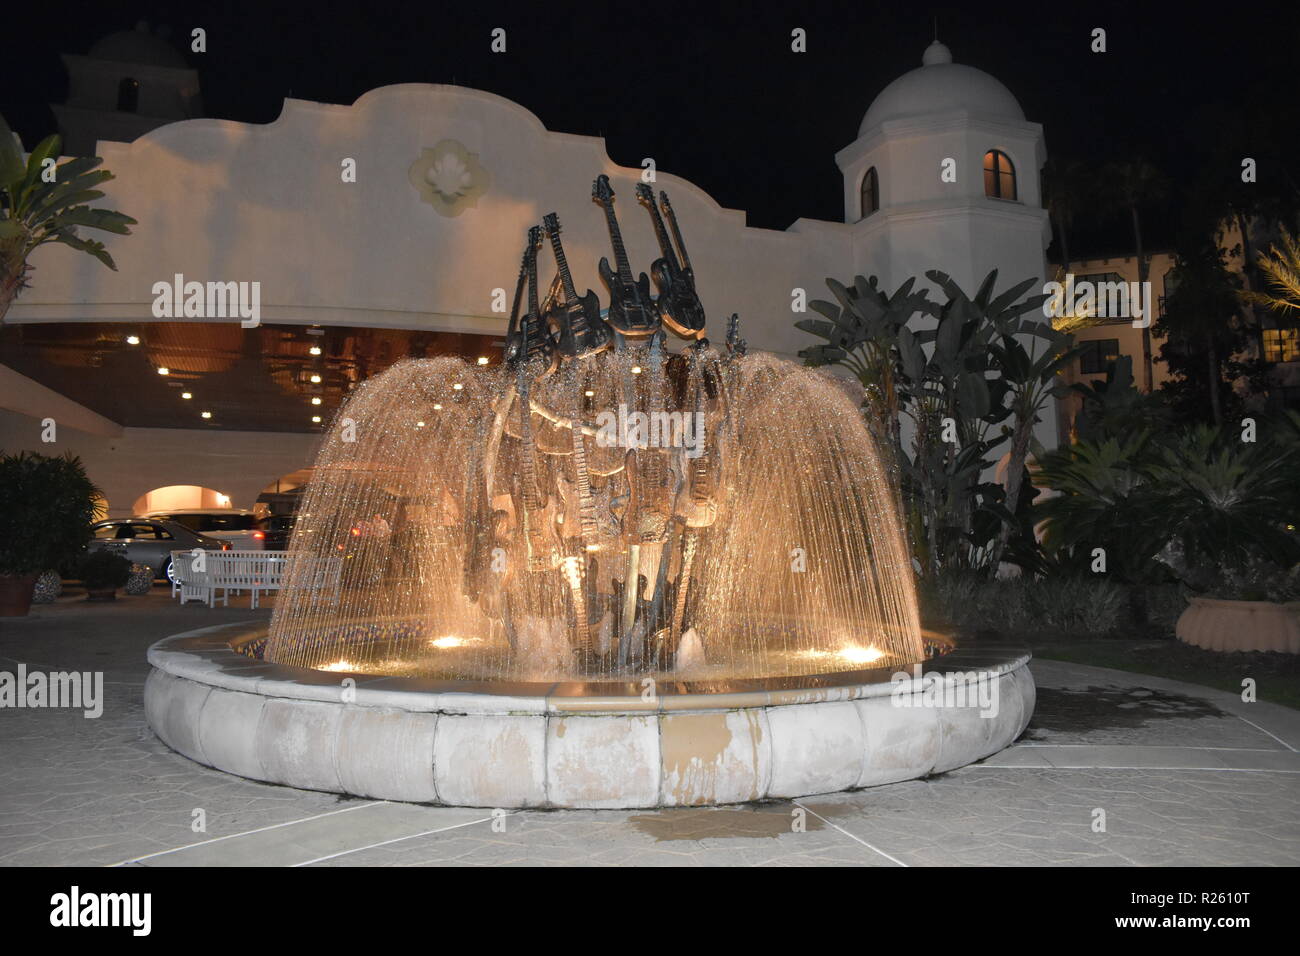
(579, 745)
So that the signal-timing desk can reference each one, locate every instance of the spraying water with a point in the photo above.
(599, 508)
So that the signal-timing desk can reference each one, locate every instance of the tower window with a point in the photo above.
(870, 193)
(999, 175)
(128, 95)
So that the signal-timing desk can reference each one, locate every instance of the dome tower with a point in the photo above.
(944, 175)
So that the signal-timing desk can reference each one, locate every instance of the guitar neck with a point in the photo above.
(532, 285)
(616, 240)
(570, 293)
(677, 233)
(519, 294)
(661, 234)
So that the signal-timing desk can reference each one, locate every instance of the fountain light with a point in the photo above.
(450, 641)
(860, 655)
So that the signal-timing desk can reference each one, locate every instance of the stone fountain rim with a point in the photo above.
(211, 656)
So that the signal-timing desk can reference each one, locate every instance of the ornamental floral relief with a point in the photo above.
(449, 177)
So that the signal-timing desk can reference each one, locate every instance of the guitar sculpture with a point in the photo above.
(580, 330)
(625, 546)
(632, 310)
(527, 338)
(679, 304)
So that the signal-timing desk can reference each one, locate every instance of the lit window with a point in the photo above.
(1281, 345)
(999, 175)
(870, 192)
(1095, 356)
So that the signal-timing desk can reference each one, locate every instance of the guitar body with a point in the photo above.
(580, 329)
(632, 310)
(681, 307)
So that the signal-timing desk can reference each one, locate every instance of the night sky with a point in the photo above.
(719, 97)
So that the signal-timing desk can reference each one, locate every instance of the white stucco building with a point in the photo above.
(943, 175)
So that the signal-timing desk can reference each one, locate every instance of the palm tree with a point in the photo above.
(1064, 182)
(1130, 186)
(35, 209)
(1281, 268)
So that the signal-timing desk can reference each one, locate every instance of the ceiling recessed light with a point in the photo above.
(315, 379)
(636, 369)
(163, 370)
(589, 393)
(419, 424)
(482, 360)
(133, 340)
(437, 408)
(186, 395)
(458, 386)
(315, 401)
(316, 419)
(207, 414)
(314, 350)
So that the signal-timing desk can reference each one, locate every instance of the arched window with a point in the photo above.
(128, 95)
(999, 175)
(870, 192)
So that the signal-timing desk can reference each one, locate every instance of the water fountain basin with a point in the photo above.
(596, 745)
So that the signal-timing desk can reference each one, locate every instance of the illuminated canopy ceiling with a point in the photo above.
(248, 379)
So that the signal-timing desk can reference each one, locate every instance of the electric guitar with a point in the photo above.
(679, 304)
(527, 338)
(580, 330)
(539, 516)
(632, 310)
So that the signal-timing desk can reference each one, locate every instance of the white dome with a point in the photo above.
(941, 86)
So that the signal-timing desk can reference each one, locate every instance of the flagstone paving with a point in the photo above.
(1184, 775)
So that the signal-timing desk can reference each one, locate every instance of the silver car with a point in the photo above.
(239, 528)
(149, 541)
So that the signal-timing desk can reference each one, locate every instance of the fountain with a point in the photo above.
(600, 574)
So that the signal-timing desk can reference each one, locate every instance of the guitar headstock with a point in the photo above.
(534, 240)
(645, 195)
(663, 198)
(601, 191)
(552, 223)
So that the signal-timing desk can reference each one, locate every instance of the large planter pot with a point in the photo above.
(16, 594)
(1219, 625)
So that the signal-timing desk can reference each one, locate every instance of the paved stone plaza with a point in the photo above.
(1185, 775)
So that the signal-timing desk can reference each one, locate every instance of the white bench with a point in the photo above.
(252, 571)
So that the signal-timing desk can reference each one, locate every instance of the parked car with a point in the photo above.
(239, 528)
(278, 529)
(149, 541)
